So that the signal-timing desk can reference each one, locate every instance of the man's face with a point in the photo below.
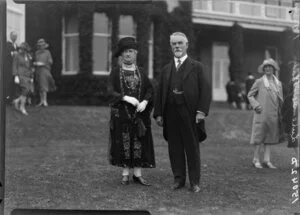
(13, 37)
(179, 46)
(129, 56)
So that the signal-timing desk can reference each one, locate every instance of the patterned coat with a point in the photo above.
(127, 148)
(267, 126)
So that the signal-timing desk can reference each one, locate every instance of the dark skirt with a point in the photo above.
(126, 148)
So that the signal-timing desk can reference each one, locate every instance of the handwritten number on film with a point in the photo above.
(295, 194)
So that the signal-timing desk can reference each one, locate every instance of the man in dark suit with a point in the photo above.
(11, 50)
(183, 99)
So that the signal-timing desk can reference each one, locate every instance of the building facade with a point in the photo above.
(262, 34)
(228, 36)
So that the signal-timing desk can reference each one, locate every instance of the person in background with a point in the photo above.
(182, 103)
(23, 73)
(249, 82)
(265, 97)
(131, 142)
(44, 79)
(290, 111)
(11, 89)
(232, 90)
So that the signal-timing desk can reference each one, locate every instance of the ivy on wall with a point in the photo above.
(290, 50)
(236, 52)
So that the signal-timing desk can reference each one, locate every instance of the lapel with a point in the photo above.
(272, 94)
(188, 67)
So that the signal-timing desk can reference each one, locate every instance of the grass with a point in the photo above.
(56, 158)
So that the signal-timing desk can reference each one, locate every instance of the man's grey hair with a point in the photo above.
(179, 34)
(13, 33)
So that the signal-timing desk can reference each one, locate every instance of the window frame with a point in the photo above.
(64, 36)
(109, 46)
(151, 52)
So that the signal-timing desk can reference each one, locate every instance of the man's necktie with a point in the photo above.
(178, 64)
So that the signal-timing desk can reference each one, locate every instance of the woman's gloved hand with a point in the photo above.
(131, 100)
(142, 106)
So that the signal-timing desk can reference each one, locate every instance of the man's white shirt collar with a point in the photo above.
(182, 59)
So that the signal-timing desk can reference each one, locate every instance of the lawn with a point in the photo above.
(57, 158)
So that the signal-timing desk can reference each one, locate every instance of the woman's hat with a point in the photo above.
(41, 43)
(125, 43)
(269, 62)
(24, 46)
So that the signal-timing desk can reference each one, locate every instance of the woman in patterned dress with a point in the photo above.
(23, 73)
(44, 79)
(131, 143)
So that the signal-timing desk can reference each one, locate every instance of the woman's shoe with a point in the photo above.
(257, 164)
(269, 165)
(140, 180)
(39, 105)
(125, 180)
(24, 112)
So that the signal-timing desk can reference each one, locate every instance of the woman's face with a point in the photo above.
(269, 70)
(129, 56)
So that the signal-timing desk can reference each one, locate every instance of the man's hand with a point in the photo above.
(142, 106)
(159, 121)
(131, 100)
(258, 109)
(200, 116)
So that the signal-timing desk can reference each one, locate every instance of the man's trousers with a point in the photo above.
(183, 143)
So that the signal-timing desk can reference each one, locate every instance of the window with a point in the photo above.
(15, 21)
(70, 45)
(150, 53)
(127, 27)
(101, 44)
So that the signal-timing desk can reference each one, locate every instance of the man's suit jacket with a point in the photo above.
(8, 76)
(197, 90)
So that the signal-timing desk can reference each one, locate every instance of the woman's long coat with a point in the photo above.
(267, 126)
(22, 68)
(118, 120)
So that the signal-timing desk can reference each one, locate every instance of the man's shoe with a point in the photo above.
(125, 180)
(140, 180)
(177, 186)
(196, 189)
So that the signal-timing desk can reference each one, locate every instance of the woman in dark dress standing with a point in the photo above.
(131, 143)
(44, 79)
(23, 73)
